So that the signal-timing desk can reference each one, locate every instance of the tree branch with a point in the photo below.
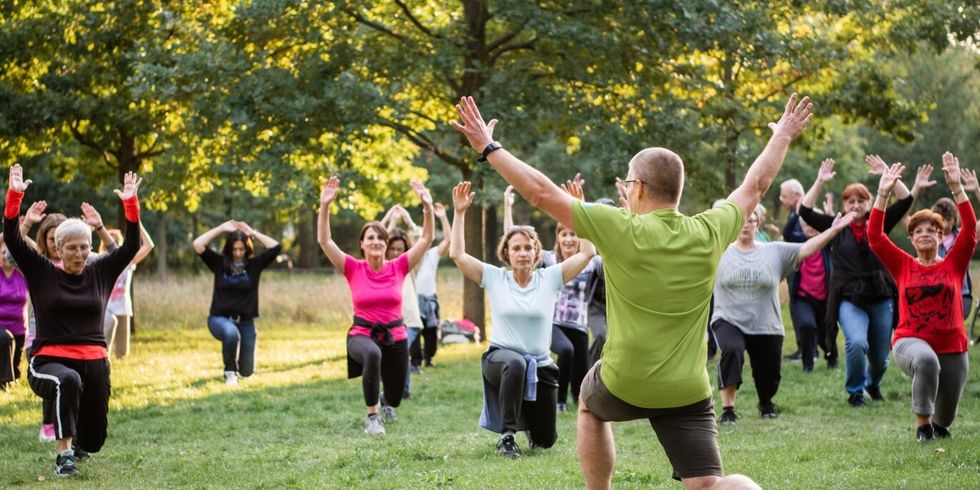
(423, 142)
(506, 38)
(378, 26)
(86, 141)
(414, 20)
(529, 45)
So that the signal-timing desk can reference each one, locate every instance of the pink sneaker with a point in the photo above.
(47, 433)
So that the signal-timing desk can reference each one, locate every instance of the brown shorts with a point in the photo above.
(688, 434)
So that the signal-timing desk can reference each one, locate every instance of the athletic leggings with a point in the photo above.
(765, 354)
(429, 336)
(79, 391)
(11, 347)
(382, 364)
(572, 347)
(808, 319)
(937, 379)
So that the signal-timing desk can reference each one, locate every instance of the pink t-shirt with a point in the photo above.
(812, 277)
(377, 295)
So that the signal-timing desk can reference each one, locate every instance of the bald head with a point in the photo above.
(662, 173)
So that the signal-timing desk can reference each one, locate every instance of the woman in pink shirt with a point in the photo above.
(930, 342)
(377, 342)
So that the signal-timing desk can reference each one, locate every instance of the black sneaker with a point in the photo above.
(728, 416)
(768, 411)
(941, 432)
(508, 447)
(796, 356)
(831, 363)
(925, 433)
(81, 455)
(875, 393)
(65, 464)
(856, 401)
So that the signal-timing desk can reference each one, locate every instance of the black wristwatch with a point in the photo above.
(492, 147)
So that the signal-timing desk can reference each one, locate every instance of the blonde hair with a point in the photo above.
(559, 257)
(528, 232)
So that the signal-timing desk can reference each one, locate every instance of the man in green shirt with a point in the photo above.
(660, 268)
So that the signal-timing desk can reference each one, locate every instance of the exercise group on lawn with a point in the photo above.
(647, 281)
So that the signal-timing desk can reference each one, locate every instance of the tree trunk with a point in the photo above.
(160, 250)
(128, 162)
(307, 241)
(474, 307)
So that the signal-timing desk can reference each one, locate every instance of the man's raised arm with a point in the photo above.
(535, 186)
(765, 167)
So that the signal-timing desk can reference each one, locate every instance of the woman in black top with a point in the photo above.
(235, 301)
(862, 293)
(69, 362)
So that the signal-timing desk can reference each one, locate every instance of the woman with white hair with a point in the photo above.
(69, 363)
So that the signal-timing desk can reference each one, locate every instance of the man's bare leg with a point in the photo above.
(596, 449)
(730, 482)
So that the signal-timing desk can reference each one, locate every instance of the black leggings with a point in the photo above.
(572, 347)
(80, 392)
(382, 364)
(765, 355)
(11, 347)
(430, 336)
(808, 320)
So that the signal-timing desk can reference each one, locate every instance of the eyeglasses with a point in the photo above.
(632, 181)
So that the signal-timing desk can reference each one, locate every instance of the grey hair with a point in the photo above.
(70, 229)
(792, 185)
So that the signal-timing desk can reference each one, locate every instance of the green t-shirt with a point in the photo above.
(660, 271)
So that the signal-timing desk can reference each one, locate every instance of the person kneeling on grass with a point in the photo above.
(69, 362)
(377, 342)
(930, 342)
(520, 381)
(235, 300)
(747, 318)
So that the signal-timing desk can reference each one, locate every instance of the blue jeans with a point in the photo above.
(413, 333)
(237, 343)
(867, 334)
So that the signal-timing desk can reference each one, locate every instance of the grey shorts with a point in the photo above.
(688, 434)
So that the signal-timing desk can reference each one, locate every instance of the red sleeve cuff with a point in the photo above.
(131, 208)
(12, 208)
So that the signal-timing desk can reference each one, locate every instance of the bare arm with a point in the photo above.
(762, 172)
(820, 241)
(824, 174)
(472, 268)
(334, 254)
(428, 226)
(575, 264)
(146, 245)
(536, 188)
(508, 208)
(201, 242)
(443, 246)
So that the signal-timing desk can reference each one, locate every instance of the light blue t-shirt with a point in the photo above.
(522, 317)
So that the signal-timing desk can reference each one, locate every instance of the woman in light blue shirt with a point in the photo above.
(520, 380)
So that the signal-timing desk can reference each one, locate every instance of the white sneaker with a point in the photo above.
(388, 412)
(231, 378)
(374, 426)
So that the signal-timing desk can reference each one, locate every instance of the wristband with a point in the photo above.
(99, 228)
(492, 147)
(131, 208)
(12, 207)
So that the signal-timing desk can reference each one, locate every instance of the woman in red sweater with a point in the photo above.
(930, 342)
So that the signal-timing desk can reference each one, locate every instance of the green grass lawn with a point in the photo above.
(299, 422)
